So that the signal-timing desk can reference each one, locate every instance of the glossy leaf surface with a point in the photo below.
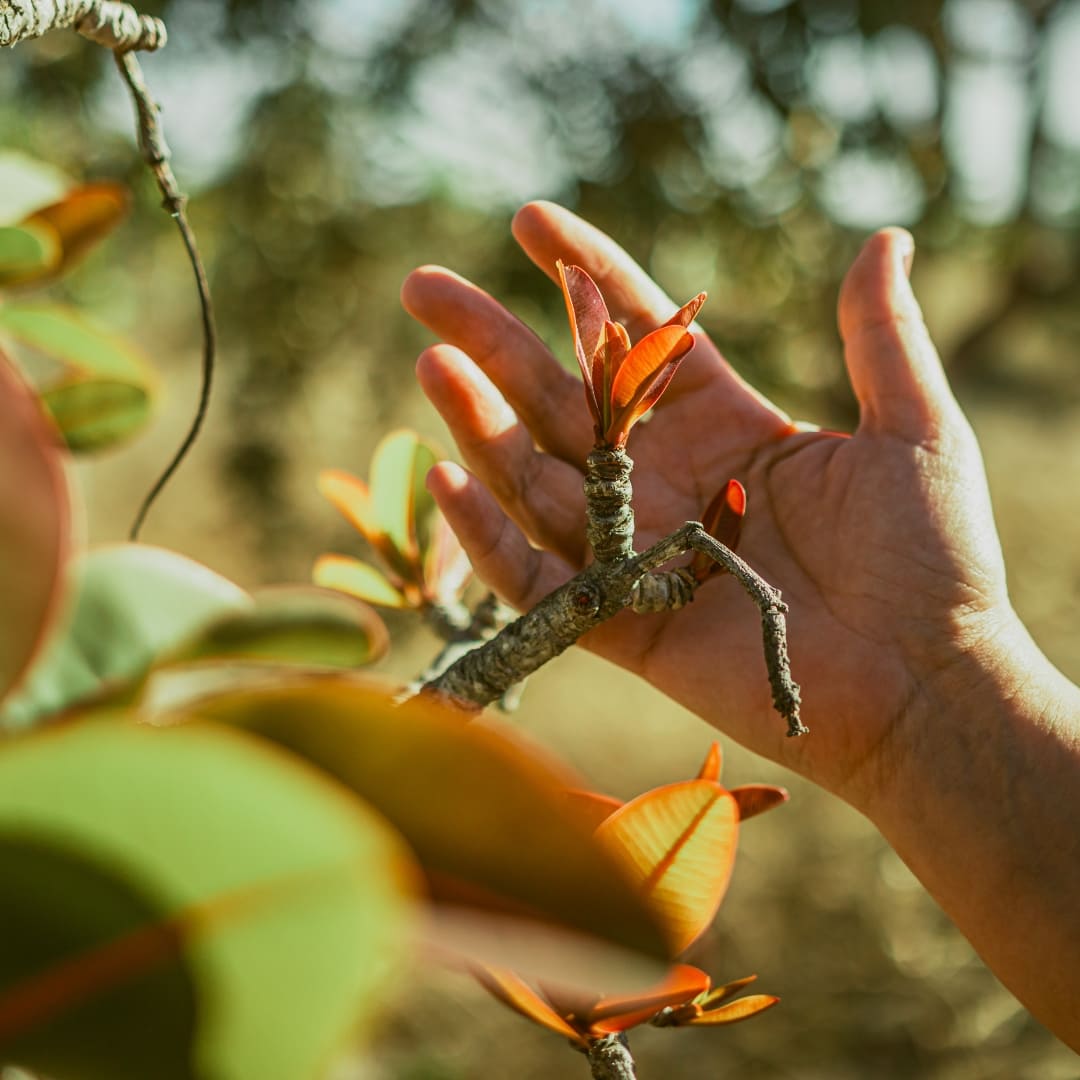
(279, 906)
(679, 840)
(359, 579)
(130, 603)
(34, 525)
(473, 804)
(645, 375)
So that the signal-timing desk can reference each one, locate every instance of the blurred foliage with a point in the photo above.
(740, 147)
(744, 148)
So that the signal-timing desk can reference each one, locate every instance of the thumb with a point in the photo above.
(894, 368)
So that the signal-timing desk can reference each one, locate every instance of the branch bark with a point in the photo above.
(105, 22)
(610, 1059)
(606, 587)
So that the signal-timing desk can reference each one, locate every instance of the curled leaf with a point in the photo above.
(754, 799)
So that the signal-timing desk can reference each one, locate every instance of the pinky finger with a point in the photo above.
(498, 550)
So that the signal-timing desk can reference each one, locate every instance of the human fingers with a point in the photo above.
(548, 399)
(540, 493)
(894, 368)
(547, 232)
(498, 550)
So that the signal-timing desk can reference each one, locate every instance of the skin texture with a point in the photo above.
(930, 708)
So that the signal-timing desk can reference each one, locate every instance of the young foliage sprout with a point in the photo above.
(622, 382)
(677, 843)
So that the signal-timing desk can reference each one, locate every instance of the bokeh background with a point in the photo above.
(746, 148)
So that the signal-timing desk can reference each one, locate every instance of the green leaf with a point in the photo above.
(25, 250)
(487, 818)
(65, 335)
(359, 579)
(58, 907)
(34, 525)
(292, 625)
(187, 904)
(26, 184)
(96, 414)
(398, 460)
(131, 603)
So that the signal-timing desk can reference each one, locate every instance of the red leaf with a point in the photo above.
(753, 799)
(722, 520)
(588, 313)
(610, 353)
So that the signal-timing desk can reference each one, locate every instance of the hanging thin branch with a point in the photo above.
(119, 27)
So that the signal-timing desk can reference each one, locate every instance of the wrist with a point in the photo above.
(984, 716)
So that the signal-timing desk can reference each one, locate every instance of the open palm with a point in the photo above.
(882, 543)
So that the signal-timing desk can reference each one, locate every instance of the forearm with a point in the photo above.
(985, 809)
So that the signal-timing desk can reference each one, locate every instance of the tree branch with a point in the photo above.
(105, 22)
(610, 1058)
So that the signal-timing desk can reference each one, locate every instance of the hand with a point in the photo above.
(883, 542)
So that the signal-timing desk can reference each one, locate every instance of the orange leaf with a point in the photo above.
(688, 312)
(473, 803)
(714, 762)
(754, 799)
(80, 219)
(644, 376)
(587, 312)
(719, 994)
(618, 1013)
(351, 497)
(520, 997)
(679, 842)
(733, 1012)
